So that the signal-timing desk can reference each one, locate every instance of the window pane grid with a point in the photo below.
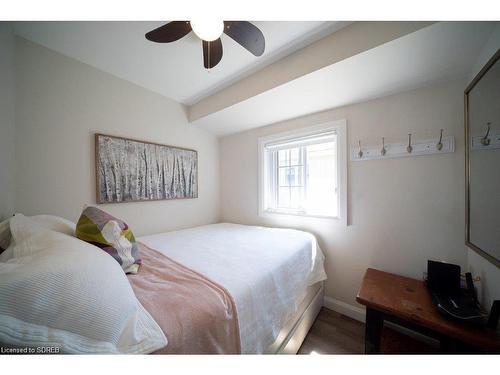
(291, 178)
(304, 178)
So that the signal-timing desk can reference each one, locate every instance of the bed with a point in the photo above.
(221, 288)
(274, 276)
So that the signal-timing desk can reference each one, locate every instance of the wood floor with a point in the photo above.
(333, 333)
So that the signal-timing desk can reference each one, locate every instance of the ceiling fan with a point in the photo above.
(242, 32)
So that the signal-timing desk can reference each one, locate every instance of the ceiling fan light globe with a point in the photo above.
(207, 30)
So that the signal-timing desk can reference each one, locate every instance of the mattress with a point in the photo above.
(268, 272)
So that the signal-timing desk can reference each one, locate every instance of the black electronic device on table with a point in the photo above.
(444, 284)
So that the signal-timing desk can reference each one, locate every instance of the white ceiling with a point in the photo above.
(442, 51)
(174, 70)
(439, 52)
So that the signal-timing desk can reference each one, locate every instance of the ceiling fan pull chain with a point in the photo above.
(209, 49)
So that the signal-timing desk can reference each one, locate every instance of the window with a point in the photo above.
(303, 172)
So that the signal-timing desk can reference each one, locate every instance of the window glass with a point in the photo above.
(303, 179)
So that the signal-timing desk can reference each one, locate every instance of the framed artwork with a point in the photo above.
(128, 170)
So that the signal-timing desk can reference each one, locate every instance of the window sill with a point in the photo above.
(274, 213)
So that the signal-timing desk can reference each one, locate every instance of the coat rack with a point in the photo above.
(441, 145)
(489, 141)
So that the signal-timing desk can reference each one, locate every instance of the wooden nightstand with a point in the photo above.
(407, 302)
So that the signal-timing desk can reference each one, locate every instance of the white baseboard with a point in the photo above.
(346, 309)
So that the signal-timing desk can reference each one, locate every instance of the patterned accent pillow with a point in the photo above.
(110, 234)
(5, 235)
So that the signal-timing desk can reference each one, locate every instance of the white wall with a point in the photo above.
(489, 287)
(61, 103)
(7, 117)
(401, 211)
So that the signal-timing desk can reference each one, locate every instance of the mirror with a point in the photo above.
(482, 152)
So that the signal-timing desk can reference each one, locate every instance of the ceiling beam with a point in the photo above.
(340, 45)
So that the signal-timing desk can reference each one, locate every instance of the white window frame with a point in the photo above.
(340, 128)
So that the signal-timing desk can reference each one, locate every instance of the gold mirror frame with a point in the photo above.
(469, 88)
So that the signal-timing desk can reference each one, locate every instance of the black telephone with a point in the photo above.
(444, 284)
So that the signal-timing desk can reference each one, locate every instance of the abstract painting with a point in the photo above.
(128, 170)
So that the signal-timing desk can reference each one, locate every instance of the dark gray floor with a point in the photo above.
(334, 333)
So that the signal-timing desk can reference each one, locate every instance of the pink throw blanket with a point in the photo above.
(197, 315)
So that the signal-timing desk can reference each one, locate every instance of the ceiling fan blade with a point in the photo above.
(170, 32)
(247, 35)
(212, 53)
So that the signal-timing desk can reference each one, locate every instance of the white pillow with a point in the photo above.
(26, 238)
(64, 292)
(55, 223)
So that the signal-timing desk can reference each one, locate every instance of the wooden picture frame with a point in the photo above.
(132, 170)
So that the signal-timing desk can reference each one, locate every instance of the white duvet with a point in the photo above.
(266, 270)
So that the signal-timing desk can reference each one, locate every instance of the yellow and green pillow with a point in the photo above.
(110, 234)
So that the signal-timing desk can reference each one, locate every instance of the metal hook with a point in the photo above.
(439, 145)
(383, 151)
(409, 148)
(360, 153)
(485, 141)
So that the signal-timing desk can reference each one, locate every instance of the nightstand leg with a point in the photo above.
(373, 331)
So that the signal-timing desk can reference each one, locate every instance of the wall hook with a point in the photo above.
(383, 151)
(485, 141)
(439, 145)
(360, 153)
(409, 148)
